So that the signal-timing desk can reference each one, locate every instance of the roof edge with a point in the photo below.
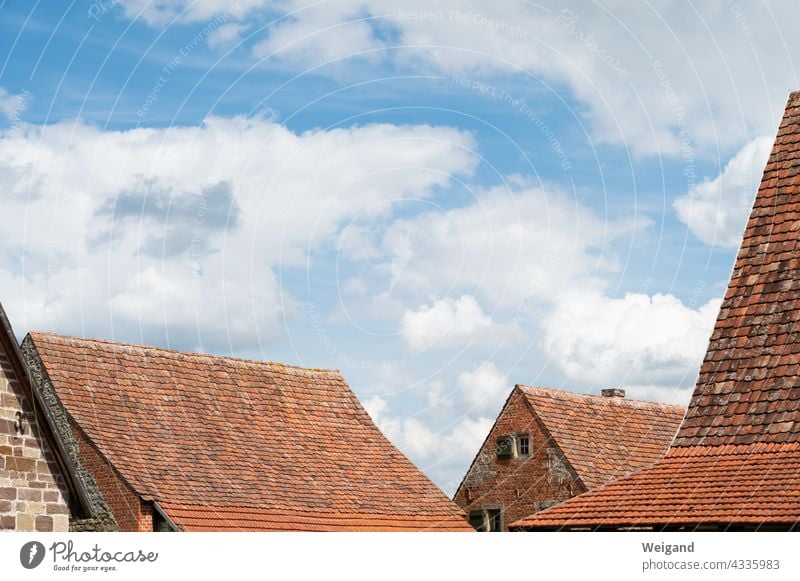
(48, 429)
(33, 334)
(485, 440)
(595, 397)
(42, 386)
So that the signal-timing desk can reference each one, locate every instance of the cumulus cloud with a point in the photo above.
(446, 323)
(309, 36)
(160, 12)
(225, 36)
(173, 235)
(12, 105)
(444, 455)
(636, 340)
(513, 244)
(716, 210)
(484, 388)
(651, 77)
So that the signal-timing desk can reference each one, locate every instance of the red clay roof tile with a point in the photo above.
(736, 457)
(211, 438)
(729, 485)
(604, 438)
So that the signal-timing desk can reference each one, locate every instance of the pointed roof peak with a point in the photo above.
(748, 389)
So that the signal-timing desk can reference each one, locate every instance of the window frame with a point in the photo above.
(494, 516)
(518, 444)
(491, 517)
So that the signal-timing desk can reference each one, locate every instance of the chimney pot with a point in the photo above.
(613, 392)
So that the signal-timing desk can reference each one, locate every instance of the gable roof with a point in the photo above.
(78, 497)
(223, 444)
(741, 434)
(604, 438)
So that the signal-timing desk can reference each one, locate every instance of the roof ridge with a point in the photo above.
(556, 391)
(35, 334)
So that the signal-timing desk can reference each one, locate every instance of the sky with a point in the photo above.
(440, 199)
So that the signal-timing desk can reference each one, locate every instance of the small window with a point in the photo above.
(495, 520)
(477, 521)
(505, 447)
(487, 520)
(523, 445)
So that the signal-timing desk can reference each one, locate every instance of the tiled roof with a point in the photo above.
(736, 458)
(749, 485)
(604, 438)
(226, 443)
(216, 518)
(749, 385)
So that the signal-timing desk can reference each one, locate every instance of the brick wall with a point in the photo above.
(32, 492)
(130, 511)
(518, 486)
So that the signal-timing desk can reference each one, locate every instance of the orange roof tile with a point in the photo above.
(735, 458)
(604, 438)
(726, 485)
(226, 518)
(227, 443)
(749, 385)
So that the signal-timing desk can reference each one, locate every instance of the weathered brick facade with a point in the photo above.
(33, 495)
(131, 512)
(518, 486)
(557, 444)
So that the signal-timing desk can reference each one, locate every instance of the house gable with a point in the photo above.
(37, 493)
(518, 486)
(608, 436)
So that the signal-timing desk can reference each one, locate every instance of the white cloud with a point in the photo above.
(226, 36)
(656, 78)
(317, 36)
(446, 323)
(173, 235)
(484, 388)
(637, 340)
(438, 396)
(716, 210)
(12, 105)
(160, 12)
(443, 455)
(512, 244)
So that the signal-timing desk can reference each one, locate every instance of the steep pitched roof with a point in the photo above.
(604, 438)
(749, 385)
(741, 433)
(78, 498)
(222, 443)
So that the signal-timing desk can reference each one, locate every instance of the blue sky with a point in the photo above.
(440, 199)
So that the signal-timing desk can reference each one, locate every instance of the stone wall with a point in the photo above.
(100, 517)
(518, 486)
(33, 496)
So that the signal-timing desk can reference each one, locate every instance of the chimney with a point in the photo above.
(613, 392)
